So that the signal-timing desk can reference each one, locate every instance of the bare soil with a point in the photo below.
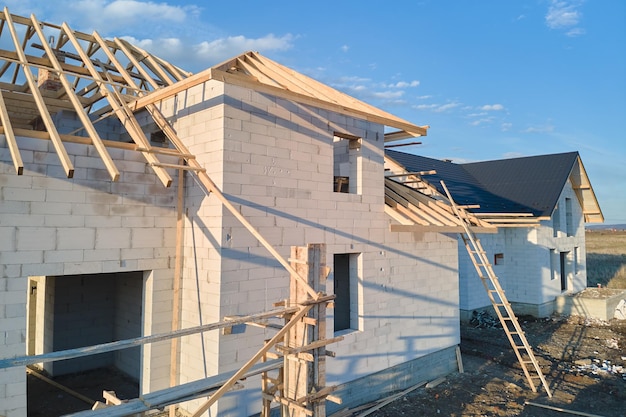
(573, 352)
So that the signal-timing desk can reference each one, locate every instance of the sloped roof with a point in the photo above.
(48, 68)
(526, 187)
(260, 73)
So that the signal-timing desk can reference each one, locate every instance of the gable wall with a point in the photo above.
(52, 225)
(278, 171)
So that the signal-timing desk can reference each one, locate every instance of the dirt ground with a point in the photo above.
(574, 354)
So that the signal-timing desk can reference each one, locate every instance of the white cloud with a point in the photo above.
(565, 14)
(492, 107)
(437, 108)
(345, 48)
(234, 45)
(204, 54)
(505, 127)
(547, 128)
(446, 107)
(122, 14)
(575, 32)
(482, 121)
(405, 84)
(388, 95)
(509, 155)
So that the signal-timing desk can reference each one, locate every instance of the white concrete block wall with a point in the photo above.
(526, 274)
(277, 165)
(52, 225)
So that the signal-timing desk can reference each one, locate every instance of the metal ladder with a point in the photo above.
(498, 299)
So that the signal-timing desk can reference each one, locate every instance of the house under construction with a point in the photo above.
(191, 230)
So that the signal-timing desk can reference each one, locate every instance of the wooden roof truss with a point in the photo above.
(51, 68)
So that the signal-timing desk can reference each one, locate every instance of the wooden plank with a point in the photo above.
(63, 388)
(392, 398)
(177, 284)
(10, 137)
(43, 111)
(562, 410)
(397, 216)
(138, 341)
(459, 359)
(407, 174)
(248, 365)
(440, 229)
(80, 111)
(310, 346)
(184, 392)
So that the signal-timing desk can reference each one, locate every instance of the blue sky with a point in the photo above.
(493, 79)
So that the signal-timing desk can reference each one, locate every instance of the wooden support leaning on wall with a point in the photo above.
(300, 387)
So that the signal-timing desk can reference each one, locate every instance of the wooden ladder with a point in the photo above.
(498, 299)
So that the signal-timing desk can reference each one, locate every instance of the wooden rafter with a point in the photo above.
(43, 111)
(80, 111)
(10, 137)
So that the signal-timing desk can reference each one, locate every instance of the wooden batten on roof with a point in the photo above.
(418, 212)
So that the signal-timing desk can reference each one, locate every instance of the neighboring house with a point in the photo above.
(88, 236)
(540, 205)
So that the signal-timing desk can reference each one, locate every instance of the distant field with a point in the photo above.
(606, 258)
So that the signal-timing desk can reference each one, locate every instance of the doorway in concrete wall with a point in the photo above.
(73, 311)
(565, 270)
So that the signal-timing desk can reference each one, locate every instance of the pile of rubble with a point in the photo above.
(482, 319)
(598, 368)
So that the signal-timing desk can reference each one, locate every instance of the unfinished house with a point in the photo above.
(539, 204)
(138, 201)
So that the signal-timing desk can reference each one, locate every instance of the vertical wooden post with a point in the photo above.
(178, 267)
(305, 371)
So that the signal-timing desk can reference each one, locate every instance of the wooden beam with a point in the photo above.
(10, 137)
(177, 285)
(80, 111)
(399, 135)
(138, 341)
(44, 63)
(250, 363)
(43, 111)
(407, 174)
(439, 229)
(131, 57)
(184, 392)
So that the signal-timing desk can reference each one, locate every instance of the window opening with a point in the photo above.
(569, 224)
(346, 161)
(498, 259)
(563, 264)
(345, 285)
